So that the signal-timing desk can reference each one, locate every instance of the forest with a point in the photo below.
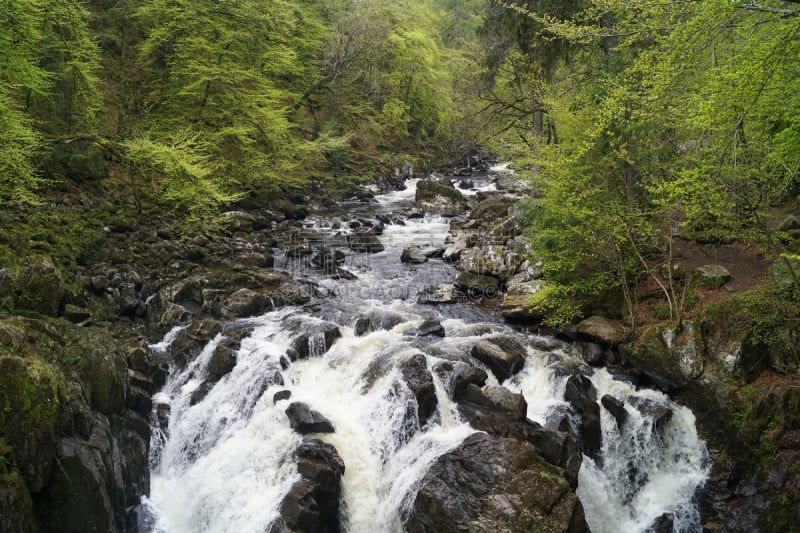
(635, 120)
(189, 187)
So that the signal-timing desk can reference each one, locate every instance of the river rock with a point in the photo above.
(495, 399)
(515, 304)
(476, 285)
(413, 255)
(375, 321)
(496, 261)
(669, 360)
(315, 340)
(439, 196)
(281, 395)
(245, 302)
(600, 330)
(419, 379)
(457, 376)
(616, 408)
(364, 240)
(429, 328)
(582, 396)
(660, 414)
(713, 276)
(490, 483)
(444, 293)
(305, 420)
(503, 358)
(492, 209)
(313, 503)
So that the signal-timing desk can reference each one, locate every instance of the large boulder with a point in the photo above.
(496, 261)
(444, 293)
(413, 255)
(503, 355)
(305, 420)
(439, 196)
(515, 304)
(314, 340)
(419, 379)
(491, 209)
(713, 276)
(668, 359)
(600, 330)
(490, 483)
(582, 396)
(476, 285)
(365, 240)
(313, 503)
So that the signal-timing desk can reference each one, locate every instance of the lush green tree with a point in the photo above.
(682, 114)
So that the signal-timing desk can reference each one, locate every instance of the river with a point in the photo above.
(224, 463)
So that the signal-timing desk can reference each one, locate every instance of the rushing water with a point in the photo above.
(225, 463)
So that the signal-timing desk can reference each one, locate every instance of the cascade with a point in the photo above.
(224, 463)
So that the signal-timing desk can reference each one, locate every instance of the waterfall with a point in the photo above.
(224, 461)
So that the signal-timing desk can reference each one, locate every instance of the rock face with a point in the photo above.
(502, 355)
(670, 361)
(89, 429)
(305, 420)
(418, 378)
(490, 483)
(582, 396)
(312, 503)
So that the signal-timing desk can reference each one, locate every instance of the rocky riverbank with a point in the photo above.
(82, 309)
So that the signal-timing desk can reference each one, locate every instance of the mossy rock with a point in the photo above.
(670, 359)
(31, 395)
(36, 285)
(16, 507)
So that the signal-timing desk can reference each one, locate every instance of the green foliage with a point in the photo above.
(184, 173)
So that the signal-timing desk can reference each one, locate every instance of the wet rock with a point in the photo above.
(376, 321)
(491, 209)
(245, 302)
(192, 339)
(439, 196)
(713, 276)
(663, 524)
(476, 285)
(365, 241)
(503, 358)
(444, 293)
(313, 504)
(281, 395)
(199, 394)
(495, 261)
(558, 448)
(305, 420)
(314, 341)
(600, 330)
(616, 408)
(658, 412)
(489, 483)
(222, 361)
(496, 399)
(582, 396)
(430, 328)
(592, 353)
(419, 379)
(413, 255)
(457, 376)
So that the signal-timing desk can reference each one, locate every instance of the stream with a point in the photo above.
(224, 463)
